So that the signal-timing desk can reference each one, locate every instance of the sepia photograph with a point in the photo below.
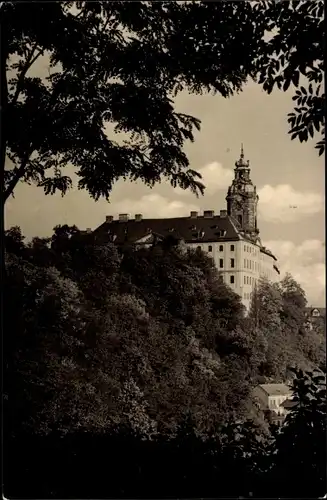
(164, 304)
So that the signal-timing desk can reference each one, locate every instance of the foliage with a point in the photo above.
(157, 322)
(146, 356)
(299, 453)
(288, 464)
(289, 58)
(115, 66)
(277, 314)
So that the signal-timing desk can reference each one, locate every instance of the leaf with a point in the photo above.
(316, 122)
(295, 78)
(310, 128)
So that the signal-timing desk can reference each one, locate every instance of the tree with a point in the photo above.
(299, 453)
(287, 59)
(45, 312)
(154, 329)
(276, 323)
(108, 63)
(119, 65)
(294, 302)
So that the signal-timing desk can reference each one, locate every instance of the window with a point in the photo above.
(232, 248)
(221, 263)
(244, 280)
(244, 262)
(247, 280)
(221, 248)
(232, 279)
(244, 248)
(198, 248)
(232, 263)
(210, 248)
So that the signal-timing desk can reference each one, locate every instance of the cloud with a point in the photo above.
(306, 263)
(153, 206)
(214, 177)
(282, 203)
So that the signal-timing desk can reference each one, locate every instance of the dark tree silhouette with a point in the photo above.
(118, 65)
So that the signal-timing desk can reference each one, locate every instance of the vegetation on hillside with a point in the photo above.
(147, 353)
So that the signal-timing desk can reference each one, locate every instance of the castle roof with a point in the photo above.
(276, 389)
(192, 230)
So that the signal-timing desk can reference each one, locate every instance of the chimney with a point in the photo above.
(194, 215)
(123, 217)
(223, 213)
(207, 214)
(138, 217)
(109, 218)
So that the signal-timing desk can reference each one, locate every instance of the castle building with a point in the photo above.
(230, 238)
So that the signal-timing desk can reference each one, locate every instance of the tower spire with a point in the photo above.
(241, 163)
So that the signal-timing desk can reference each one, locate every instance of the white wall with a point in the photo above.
(250, 264)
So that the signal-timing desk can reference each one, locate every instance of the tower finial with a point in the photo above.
(242, 152)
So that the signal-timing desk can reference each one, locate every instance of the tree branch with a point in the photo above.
(16, 177)
(29, 62)
(3, 94)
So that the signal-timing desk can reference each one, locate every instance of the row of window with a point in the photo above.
(251, 264)
(231, 279)
(247, 295)
(249, 249)
(221, 248)
(249, 280)
(221, 263)
(254, 251)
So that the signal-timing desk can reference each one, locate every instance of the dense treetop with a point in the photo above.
(146, 355)
(122, 63)
(96, 325)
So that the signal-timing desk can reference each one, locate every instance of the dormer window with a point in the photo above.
(193, 228)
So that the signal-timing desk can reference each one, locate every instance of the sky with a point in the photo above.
(287, 174)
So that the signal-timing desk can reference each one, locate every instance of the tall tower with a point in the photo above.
(242, 199)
